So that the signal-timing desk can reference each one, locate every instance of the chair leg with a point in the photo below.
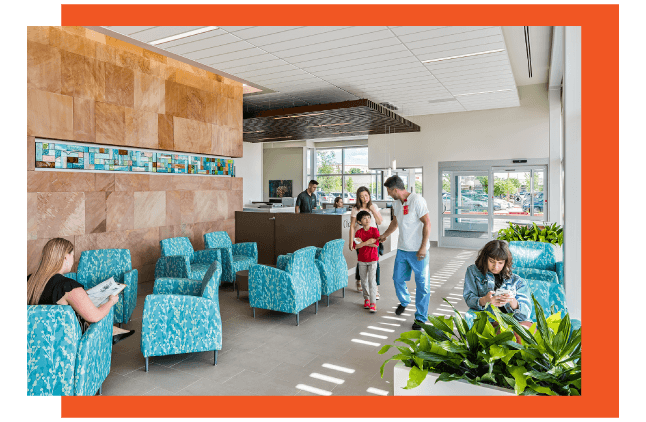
(146, 363)
(328, 300)
(238, 294)
(344, 292)
(215, 357)
(297, 317)
(101, 390)
(254, 312)
(119, 325)
(316, 306)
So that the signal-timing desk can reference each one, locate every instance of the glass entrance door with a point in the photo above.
(465, 208)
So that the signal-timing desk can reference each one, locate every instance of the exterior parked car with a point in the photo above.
(324, 197)
(501, 204)
(538, 203)
(347, 196)
(446, 202)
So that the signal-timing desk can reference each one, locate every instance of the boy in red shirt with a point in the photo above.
(368, 259)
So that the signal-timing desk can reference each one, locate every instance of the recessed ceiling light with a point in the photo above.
(484, 92)
(464, 55)
(183, 35)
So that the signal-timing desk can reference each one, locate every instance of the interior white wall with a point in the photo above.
(249, 167)
(282, 164)
(506, 133)
(572, 164)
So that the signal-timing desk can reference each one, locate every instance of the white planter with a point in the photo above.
(451, 388)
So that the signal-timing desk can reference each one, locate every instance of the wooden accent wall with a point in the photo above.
(87, 87)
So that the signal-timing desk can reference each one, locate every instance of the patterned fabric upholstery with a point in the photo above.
(332, 266)
(548, 294)
(96, 266)
(179, 260)
(61, 361)
(289, 290)
(183, 315)
(537, 255)
(238, 257)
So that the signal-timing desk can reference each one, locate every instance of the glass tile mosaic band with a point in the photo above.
(66, 155)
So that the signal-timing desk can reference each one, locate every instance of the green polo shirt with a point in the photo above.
(305, 202)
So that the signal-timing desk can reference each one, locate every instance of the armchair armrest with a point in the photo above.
(318, 253)
(173, 266)
(206, 256)
(94, 356)
(534, 274)
(130, 279)
(177, 286)
(560, 272)
(271, 288)
(281, 262)
(246, 248)
(174, 324)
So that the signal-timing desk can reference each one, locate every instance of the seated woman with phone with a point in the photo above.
(490, 282)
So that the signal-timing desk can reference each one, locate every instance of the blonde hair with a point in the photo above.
(51, 262)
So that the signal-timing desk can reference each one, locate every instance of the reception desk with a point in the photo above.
(280, 233)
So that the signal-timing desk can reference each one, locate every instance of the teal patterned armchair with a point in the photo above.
(183, 316)
(179, 260)
(332, 267)
(292, 286)
(532, 260)
(548, 293)
(98, 265)
(60, 360)
(235, 257)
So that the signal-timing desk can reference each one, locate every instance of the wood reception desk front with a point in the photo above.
(280, 233)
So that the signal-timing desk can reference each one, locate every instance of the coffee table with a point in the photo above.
(242, 282)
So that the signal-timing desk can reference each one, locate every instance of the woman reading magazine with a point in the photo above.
(48, 286)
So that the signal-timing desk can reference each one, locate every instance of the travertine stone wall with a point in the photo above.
(84, 86)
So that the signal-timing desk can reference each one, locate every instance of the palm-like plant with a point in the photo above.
(547, 361)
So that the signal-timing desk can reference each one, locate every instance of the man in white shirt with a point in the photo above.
(411, 217)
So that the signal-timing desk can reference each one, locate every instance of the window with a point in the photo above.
(341, 171)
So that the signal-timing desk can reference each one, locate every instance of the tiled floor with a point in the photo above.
(333, 352)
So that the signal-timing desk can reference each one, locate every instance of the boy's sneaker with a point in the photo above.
(366, 304)
(373, 307)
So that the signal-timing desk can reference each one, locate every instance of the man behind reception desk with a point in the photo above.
(306, 200)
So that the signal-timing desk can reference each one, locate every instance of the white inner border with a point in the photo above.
(84, 144)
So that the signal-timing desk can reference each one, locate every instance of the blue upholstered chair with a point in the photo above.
(183, 316)
(332, 267)
(548, 293)
(534, 258)
(292, 286)
(235, 257)
(179, 260)
(98, 265)
(60, 360)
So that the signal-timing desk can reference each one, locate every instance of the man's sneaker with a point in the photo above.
(373, 307)
(366, 304)
(416, 326)
(400, 309)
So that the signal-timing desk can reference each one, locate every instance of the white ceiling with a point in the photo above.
(316, 65)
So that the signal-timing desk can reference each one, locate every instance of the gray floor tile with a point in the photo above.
(119, 385)
(285, 353)
(205, 369)
(245, 360)
(208, 387)
(159, 392)
(161, 376)
(261, 385)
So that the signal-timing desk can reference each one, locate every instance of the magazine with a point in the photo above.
(100, 293)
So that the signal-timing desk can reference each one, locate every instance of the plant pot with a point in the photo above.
(442, 388)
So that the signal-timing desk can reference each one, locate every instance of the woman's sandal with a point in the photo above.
(377, 294)
(358, 285)
(118, 337)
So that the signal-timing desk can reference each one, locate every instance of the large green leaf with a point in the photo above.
(434, 358)
(540, 389)
(385, 349)
(395, 357)
(508, 356)
(411, 334)
(424, 344)
(472, 341)
(518, 329)
(497, 352)
(435, 333)
(415, 377)
(445, 376)
(404, 350)
(452, 347)
(518, 372)
(411, 343)
(440, 324)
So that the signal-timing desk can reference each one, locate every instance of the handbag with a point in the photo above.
(381, 248)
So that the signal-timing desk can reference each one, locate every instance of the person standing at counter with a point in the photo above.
(364, 203)
(411, 217)
(306, 200)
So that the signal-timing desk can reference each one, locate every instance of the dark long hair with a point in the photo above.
(369, 204)
(498, 250)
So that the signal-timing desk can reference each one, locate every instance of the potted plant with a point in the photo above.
(550, 234)
(546, 362)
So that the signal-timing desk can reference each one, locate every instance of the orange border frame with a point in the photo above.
(600, 134)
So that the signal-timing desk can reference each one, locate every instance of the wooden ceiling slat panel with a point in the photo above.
(324, 121)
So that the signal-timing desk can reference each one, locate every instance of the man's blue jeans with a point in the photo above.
(406, 263)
